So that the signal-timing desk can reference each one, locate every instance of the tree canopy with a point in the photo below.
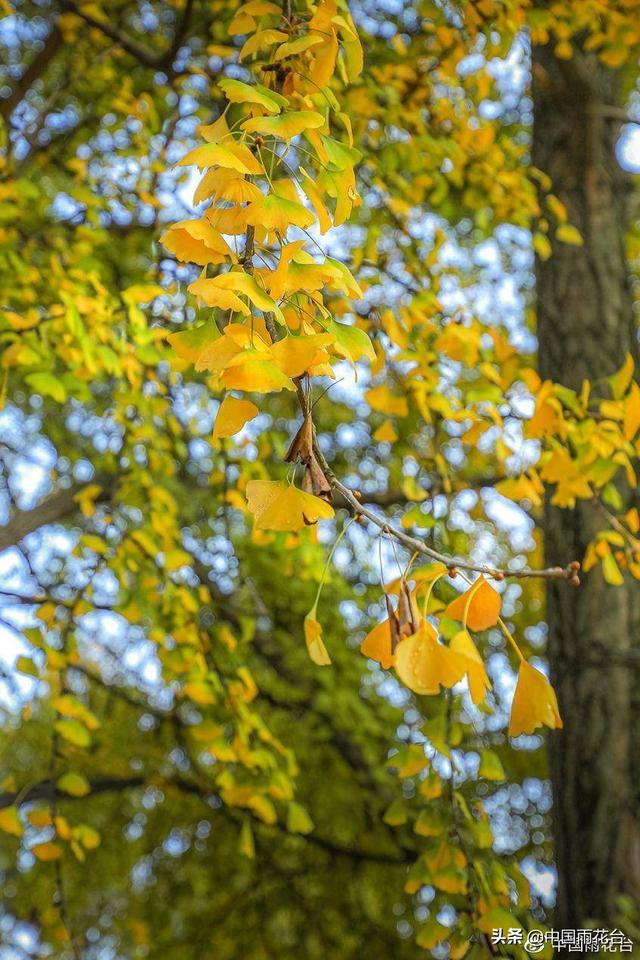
(274, 452)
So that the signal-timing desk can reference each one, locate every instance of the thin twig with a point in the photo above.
(419, 546)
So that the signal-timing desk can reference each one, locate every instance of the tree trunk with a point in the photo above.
(585, 329)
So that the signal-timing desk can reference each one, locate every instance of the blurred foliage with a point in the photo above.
(180, 779)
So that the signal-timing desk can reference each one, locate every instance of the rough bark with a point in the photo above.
(585, 328)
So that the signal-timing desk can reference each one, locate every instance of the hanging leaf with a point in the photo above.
(298, 355)
(377, 645)
(231, 156)
(479, 682)
(233, 414)
(478, 608)
(351, 342)
(313, 638)
(424, 665)
(534, 702)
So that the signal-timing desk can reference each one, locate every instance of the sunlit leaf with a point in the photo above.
(534, 702)
(425, 665)
(238, 92)
(478, 608)
(313, 638)
(278, 505)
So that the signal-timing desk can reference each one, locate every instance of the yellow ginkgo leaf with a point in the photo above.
(534, 702)
(315, 198)
(276, 214)
(246, 285)
(216, 294)
(261, 39)
(386, 433)
(238, 92)
(217, 354)
(232, 416)
(196, 241)
(286, 126)
(216, 131)
(296, 355)
(278, 505)
(227, 185)
(229, 220)
(377, 645)
(231, 156)
(478, 608)
(351, 342)
(275, 281)
(242, 23)
(293, 48)
(253, 372)
(253, 335)
(313, 638)
(240, 190)
(479, 683)
(425, 665)
(384, 400)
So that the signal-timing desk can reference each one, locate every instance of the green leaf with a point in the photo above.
(26, 665)
(298, 820)
(350, 285)
(246, 845)
(75, 784)
(340, 155)
(491, 766)
(611, 571)
(620, 380)
(238, 92)
(10, 821)
(351, 342)
(432, 933)
(47, 385)
(74, 732)
(396, 814)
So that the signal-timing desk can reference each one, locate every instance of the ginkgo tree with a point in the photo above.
(245, 356)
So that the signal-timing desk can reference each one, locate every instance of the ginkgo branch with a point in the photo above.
(419, 546)
(413, 543)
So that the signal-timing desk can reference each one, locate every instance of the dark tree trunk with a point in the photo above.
(585, 329)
